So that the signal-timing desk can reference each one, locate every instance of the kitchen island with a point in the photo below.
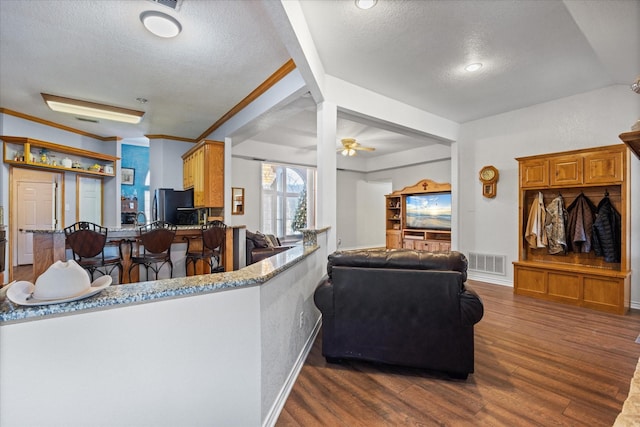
(213, 349)
(49, 247)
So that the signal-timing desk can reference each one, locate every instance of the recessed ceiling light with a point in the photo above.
(366, 4)
(473, 67)
(160, 24)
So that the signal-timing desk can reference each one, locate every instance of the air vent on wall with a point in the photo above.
(494, 264)
(173, 4)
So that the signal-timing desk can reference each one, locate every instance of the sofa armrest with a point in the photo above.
(471, 307)
(323, 295)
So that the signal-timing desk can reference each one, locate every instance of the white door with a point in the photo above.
(89, 199)
(36, 211)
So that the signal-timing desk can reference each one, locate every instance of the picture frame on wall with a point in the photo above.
(128, 176)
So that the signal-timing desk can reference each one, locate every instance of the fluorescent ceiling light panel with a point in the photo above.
(92, 109)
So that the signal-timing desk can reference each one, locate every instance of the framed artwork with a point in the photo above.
(128, 176)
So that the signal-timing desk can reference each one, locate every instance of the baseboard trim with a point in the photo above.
(272, 417)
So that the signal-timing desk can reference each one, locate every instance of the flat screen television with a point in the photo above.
(430, 211)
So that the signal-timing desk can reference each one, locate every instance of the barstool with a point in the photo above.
(154, 247)
(87, 241)
(213, 238)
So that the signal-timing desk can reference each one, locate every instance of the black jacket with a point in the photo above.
(607, 231)
(581, 214)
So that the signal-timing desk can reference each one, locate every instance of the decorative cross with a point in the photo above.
(424, 185)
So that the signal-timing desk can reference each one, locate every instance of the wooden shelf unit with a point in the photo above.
(398, 236)
(632, 139)
(27, 153)
(582, 279)
(203, 170)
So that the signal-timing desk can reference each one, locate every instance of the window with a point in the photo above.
(288, 199)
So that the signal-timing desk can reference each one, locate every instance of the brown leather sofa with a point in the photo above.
(261, 246)
(401, 307)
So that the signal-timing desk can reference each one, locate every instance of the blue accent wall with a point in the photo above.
(137, 158)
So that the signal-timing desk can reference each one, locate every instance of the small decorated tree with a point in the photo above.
(300, 218)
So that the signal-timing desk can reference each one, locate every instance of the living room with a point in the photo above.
(590, 117)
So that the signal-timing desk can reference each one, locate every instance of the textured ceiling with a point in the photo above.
(412, 51)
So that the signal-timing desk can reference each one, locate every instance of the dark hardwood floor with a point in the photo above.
(536, 363)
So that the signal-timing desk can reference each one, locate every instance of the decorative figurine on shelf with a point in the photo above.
(67, 163)
(43, 155)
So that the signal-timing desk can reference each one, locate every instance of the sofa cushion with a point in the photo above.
(272, 240)
(258, 239)
(400, 258)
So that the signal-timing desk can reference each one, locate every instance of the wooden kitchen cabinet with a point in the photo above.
(203, 170)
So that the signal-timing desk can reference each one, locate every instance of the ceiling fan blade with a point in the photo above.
(360, 147)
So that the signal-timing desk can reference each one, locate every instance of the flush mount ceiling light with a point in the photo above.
(160, 24)
(473, 67)
(366, 4)
(92, 109)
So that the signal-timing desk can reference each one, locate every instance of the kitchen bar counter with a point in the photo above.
(135, 293)
(217, 349)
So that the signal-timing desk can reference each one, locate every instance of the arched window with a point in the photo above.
(288, 199)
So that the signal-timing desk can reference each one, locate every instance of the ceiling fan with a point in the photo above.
(350, 146)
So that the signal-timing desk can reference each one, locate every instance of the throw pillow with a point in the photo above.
(272, 240)
(258, 239)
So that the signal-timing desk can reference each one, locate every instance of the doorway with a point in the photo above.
(35, 203)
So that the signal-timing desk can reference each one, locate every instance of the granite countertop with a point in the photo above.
(145, 292)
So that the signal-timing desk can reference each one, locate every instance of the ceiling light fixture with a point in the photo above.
(635, 86)
(348, 152)
(92, 109)
(160, 24)
(473, 67)
(366, 4)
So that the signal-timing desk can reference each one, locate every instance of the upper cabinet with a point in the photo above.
(33, 153)
(203, 170)
(582, 167)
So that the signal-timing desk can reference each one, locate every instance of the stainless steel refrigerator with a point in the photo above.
(167, 202)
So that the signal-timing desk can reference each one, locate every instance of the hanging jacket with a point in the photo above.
(555, 226)
(580, 216)
(607, 231)
(535, 234)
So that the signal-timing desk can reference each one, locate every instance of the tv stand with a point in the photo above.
(398, 235)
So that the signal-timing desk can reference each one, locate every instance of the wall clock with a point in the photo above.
(489, 177)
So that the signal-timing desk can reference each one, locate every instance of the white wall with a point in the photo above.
(346, 227)
(439, 171)
(246, 174)
(586, 120)
(165, 163)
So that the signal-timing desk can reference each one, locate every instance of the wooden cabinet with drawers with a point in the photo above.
(578, 278)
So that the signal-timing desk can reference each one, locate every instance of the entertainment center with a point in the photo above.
(419, 217)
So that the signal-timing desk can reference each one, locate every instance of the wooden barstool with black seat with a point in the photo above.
(153, 249)
(87, 242)
(212, 246)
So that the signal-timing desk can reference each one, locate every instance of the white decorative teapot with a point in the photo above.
(66, 162)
